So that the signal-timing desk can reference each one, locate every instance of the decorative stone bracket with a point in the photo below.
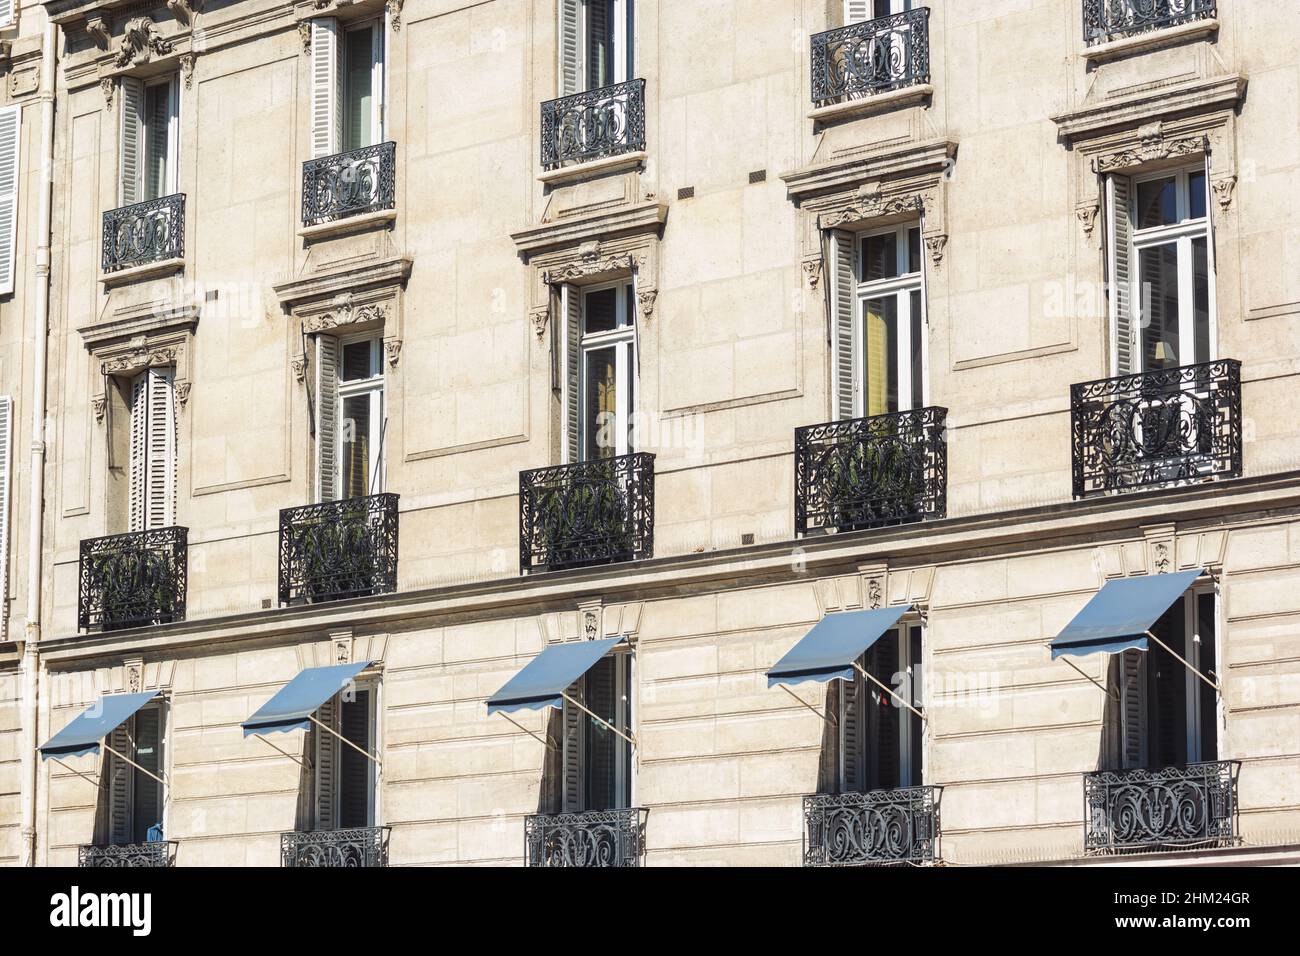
(128, 346)
(592, 621)
(876, 586)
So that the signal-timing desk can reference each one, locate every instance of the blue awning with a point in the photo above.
(828, 651)
(548, 675)
(1120, 614)
(87, 729)
(296, 701)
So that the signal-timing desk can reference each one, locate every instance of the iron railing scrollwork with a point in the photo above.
(1105, 20)
(349, 184)
(354, 848)
(1195, 805)
(862, 59)
(160, 853)
(871, 472)
(132, 580)
(593, 838)
(880, 827)
(608, 121)
(144, 232)
(338, 549)
(1154, 428)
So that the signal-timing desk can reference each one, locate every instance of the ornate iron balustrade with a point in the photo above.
(609, 121)
(888, 53)
(349, 184)
(338, 549)
(131, 580)
(161, 853)
(1111, 19)
(359, 847)
(871, 472)
(144, 232)
(1153, 428)
(1147, 809)
(877, 828)
(591, 512)
(592, 838)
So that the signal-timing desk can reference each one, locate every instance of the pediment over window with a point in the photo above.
(131, 343)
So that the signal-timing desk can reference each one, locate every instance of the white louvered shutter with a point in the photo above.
(11, 121)
(130, 164)
(1133, 714)
(161, 478)
(6, 457)
(1211, 257)
(7, 9)
(855, 11)
(571, 306)
(842, 288)
(1120, 275)
(571, 57)
(326, 87)
(327, 414)
(327, 766)
(574, 720)
(121, 782)
(138, 467)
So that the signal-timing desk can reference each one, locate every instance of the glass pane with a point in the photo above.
(358, 94)
(146, 809)
(357, 431)
(1158, 307)
(1167, 693)
(157, 106)
(601, 311)
(600, 43)
(918, 392)
(1201, 299)
(883, 752)
(1196, 195)
(1209, 667)
(1157, 203)
(601, 687)
(880, 338)
(358, 361)
(354, 767)
(917, 728)
(880, 257)
(601, 403)
(913, 250)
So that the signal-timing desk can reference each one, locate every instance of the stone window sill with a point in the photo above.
(148, 270)
(596, 167)
(879, 103)
(339, 227)
(1125, 46)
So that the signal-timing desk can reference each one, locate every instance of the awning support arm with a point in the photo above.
(542, 740)
(888, 690)
(331, 730)
(599, 720)
(147, 773)
(1186, 663)
(296, 760)
(825, 717)
(90, 780)
(1105, 690)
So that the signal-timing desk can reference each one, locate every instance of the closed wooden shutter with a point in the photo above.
(10, 136)
(574, 757)
(6, 481)
(855, 11)
(161, 475)
(138, 457)
(853, 696)
(1133, 711)
(326, 87)
(147, 800)
(327, 412)
(354, 769)
(844, 377)
(1119, 275)
(121, 778)
(7, 13)
(130, 165)
(571, 305)
(571, 53)
(327, 766)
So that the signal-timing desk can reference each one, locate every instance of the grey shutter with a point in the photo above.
(120, 782)
(327, 413)
(138, 467)
(1133, 712)
(853, 697)
(573, 762)
(10, 133)
(571, 301)
(327, 761)
(1119, 268)
(841, 289)
(6, 456)
(354, 768)
(326, 87)
(132, 130)
(147, 802)
(570, 47)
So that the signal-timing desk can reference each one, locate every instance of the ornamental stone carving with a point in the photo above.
(344, 312)
(97, 30)
(394, 8)
(1086, 213)
(187, 69)
(1153, 144)
(138, 360)
(106, 86)
(140, 43)
(872, 205)
(646, 299)
(812, 270)
(596, 266)
(182, 10)
(1223, 190)
(540, 316)
(392, 351)
(936, 245)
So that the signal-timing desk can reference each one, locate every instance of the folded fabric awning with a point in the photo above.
(547, 676)
(292, 707)
(92, 725)
(1120, 614)
(829, 650)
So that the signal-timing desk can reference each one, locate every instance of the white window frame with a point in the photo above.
(1194, 685)
(163, 705)
(623, 338)
(904, 682)
(902, 286)
(378, 75)
(623, 47)
(172, 135)
(375, 387)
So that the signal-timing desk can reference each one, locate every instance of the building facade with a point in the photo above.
(439, 351)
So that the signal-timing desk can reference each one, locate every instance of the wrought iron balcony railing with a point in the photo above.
(144, 232)
(862, 59)
(876, 828)
(338, 549)
(349, 184)
(871, 472)
(1154, 428)
(591, 512)
(131, 580)
(1112, 19)
(359, 847)
(605, 122)
(1195, 805)
(592, 838)
(161, 853)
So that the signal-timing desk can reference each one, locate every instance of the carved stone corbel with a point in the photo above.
(392, 351)
(187, 69)
(182, 395)
(394, 8)
(99, 406)
(539, 317)
(304, 34)
(182, 10)
(812, 270)
(141, 42)
(298, 365)
(97, 30)
(646, 299)
(936, 245)
(106, 86)
(1223, 189)
(1086, 213)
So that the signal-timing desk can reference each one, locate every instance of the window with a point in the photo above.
(351, 417)
(608, 314)
(855, 11)
(597, 761)
(133, 810)
(10, 136)
(150, 138)
(344, 777)
(347, 85)
(891, 325)
(595, 44)
(1167, 716)
(6, 452)
(882, 741)
(152, 459)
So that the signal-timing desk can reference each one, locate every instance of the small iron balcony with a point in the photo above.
(144, 232)
(132, 580)
(1174, 425)
(1195, 805)
(594, 838)
(359, 847)
(349, 184)
(338, 549)
(875, 56)
(1105, 20)
(871, 472)
(877, 828)
(161, 853)
(591, 512)
(596, 124)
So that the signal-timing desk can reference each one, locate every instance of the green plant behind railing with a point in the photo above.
(336, 553)
(586, 516)
(134, 586)
(872, 479)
